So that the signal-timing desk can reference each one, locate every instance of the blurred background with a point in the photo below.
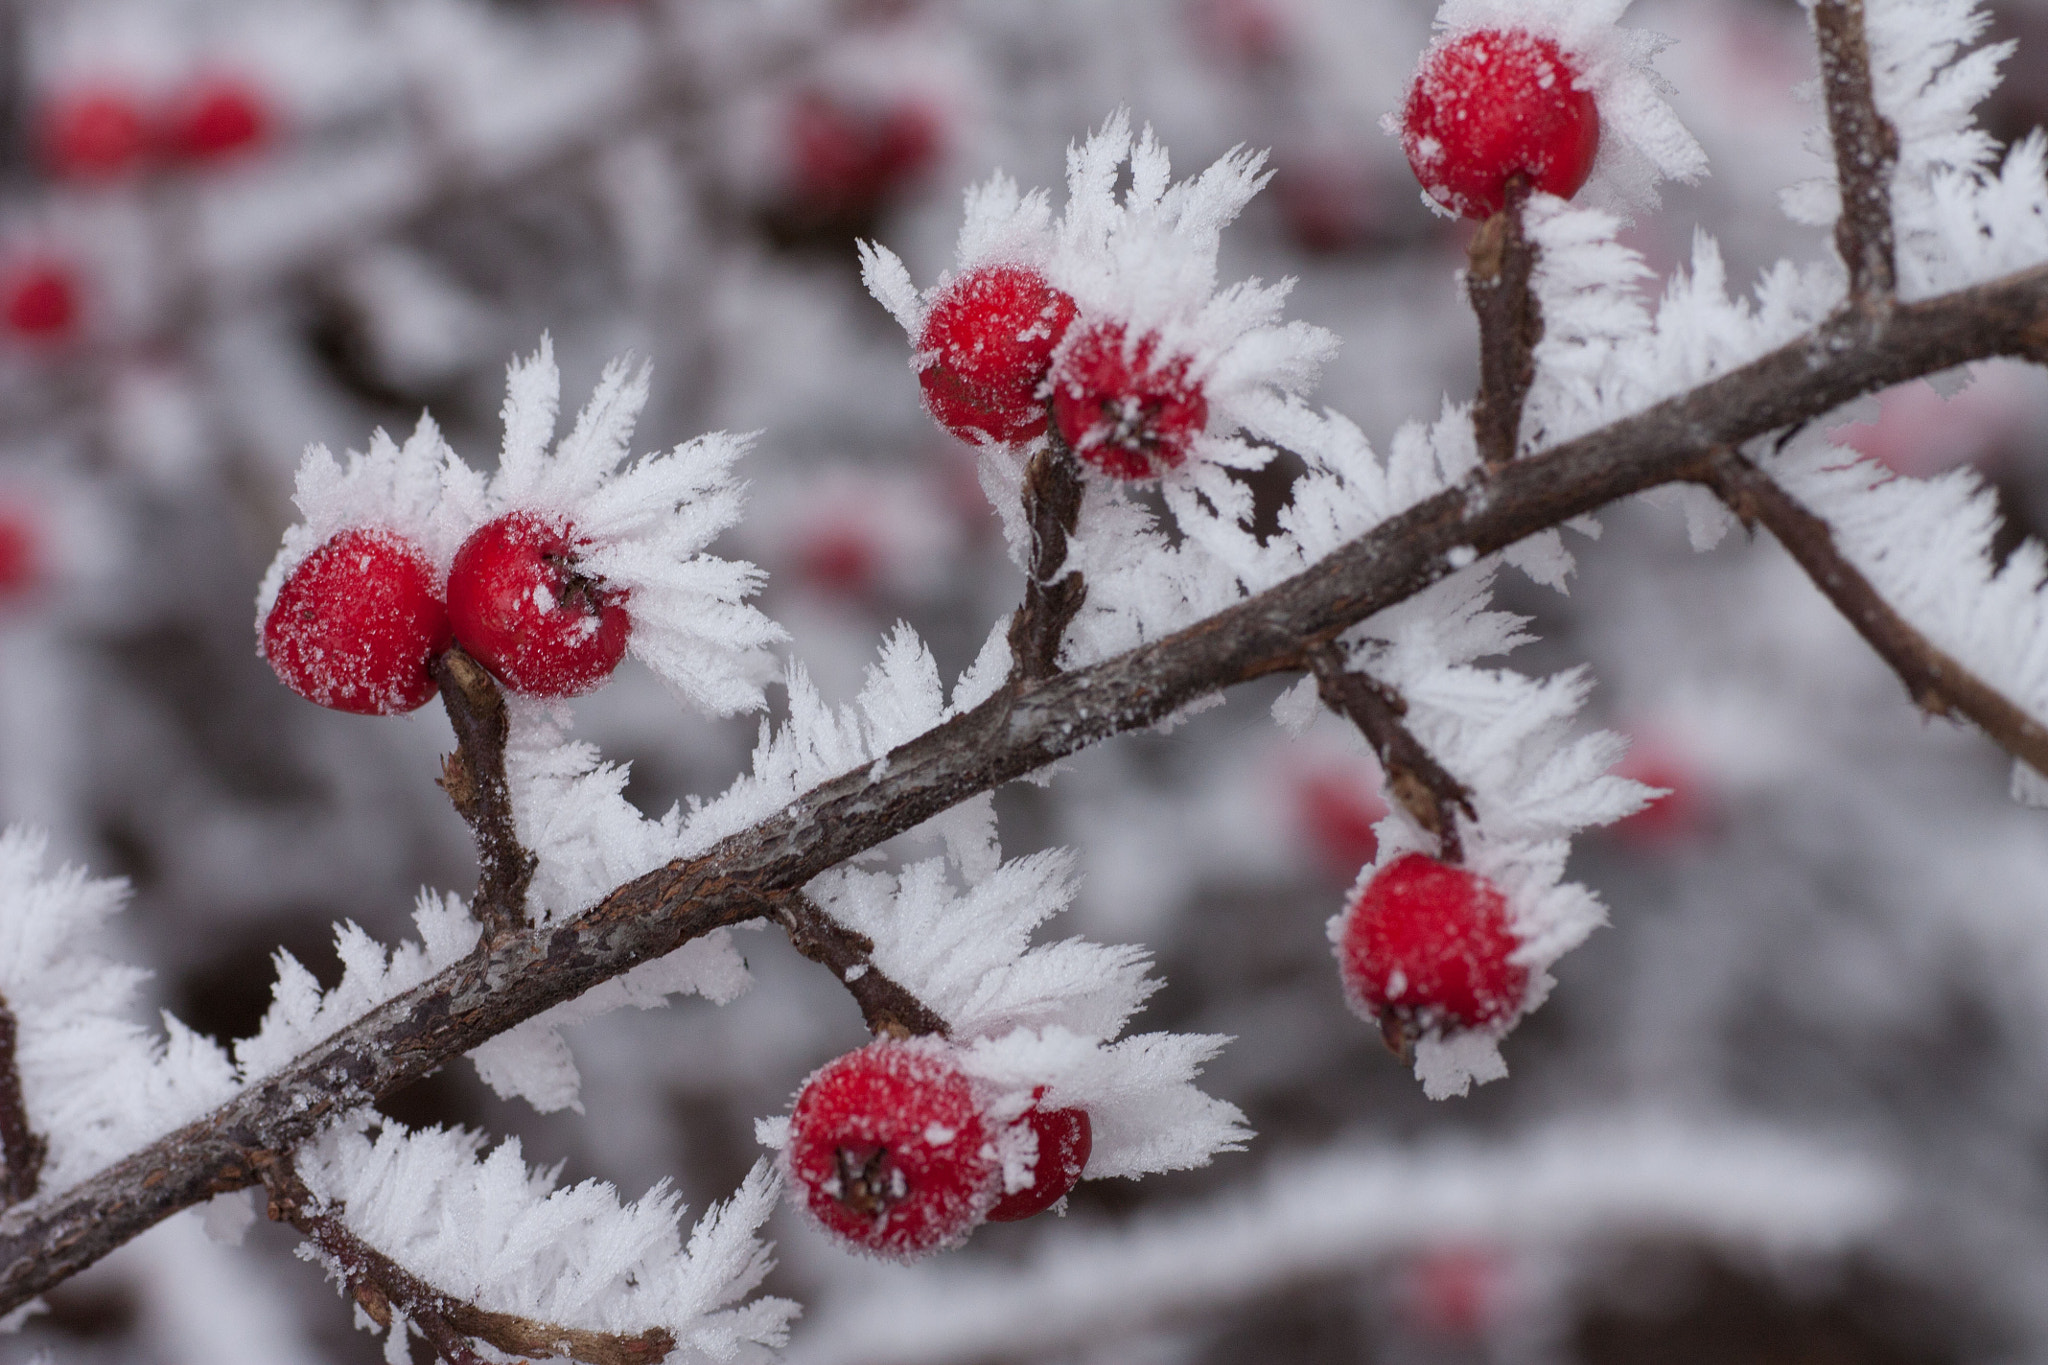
(1792, 1106)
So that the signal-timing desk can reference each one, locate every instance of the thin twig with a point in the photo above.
(1502, 261)
(1425, 789)
(1019, 730)
(1938, 684)
(1052, 505)
(474, 778)
(886, 1006)
(25, 1148)
(1866, 147)
(385, 1288)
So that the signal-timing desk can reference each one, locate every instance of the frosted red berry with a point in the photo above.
(524, 606)
(889, 1149)
(1065, 1137)
(93, 133)
(357, 623)
(1492, 103)
(41, 300)
(215, 117)
(1123, 407)
(986, 349)
(1427, 946)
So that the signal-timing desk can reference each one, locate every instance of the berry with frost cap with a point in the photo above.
(1065, 1137)
(889, 1150)
(986, 348)
(1122, 407)
(1427, 947)
(521, 603)
(356, 624)
(1491, 104)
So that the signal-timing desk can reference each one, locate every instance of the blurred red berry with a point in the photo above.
(215, 117)
(1678, 814)
(1427, 946)
(1121, 407)
(1493, 103)
(357, 623)
(841, 559)
(20, 551)
(521, 603)
(850, 162)
(1453, 1293)
(93, 133)
(1246, 32)
(1338, 811)
(889, 1149)
(1065, 1137)
(986, 348)
(41, 299)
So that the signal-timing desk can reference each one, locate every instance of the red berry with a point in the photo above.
(849, 162)
(986, 349)
(41, 299)
(1064, 1139)
(1427, 947)
(1455, 1292)
(1339, 811)
(1679, 814)
(20, 552)
(521, 604)
(1490, 104)
(891, 1151)
(357, 623)
(1121, 408)
(93, 133)
(840, 559)
(214, 117)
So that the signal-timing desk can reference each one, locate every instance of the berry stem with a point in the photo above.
(1502, 260)
(381, 1286)
(1430, 795)
(25, 1148)
(474, 778)
(1052, 506)
(1866, 149)
(887, 1007)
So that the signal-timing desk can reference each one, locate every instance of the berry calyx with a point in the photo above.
(890, 1149)
(215, 117)
(41, 300)
(357, 623)
(93, 133)
(1495, 103)
(524, 607)
(1121, 407)
(1065, 1137)
(986, 349)
(1426, 947)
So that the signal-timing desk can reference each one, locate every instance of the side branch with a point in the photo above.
(886, 1006)
(1430, 795)
(474, 778)
(1052, 506)
(1866, 149)
(1502, 262)
(1938, 684)
(24, 1147)
(1017, 731)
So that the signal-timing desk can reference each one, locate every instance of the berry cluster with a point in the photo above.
(1429, 948)
(895, 1150)
(358, 624)
(104, 131)
(1000, 343)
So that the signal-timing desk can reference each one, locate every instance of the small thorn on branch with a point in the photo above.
(1866, 148)
(886, 1006)
(474, 778)
(24, 1147)
(1430, 795)
(1501, 265)
(1052, 506)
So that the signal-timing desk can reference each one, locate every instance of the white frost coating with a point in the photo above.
(486, 1228)
(1546, 1192)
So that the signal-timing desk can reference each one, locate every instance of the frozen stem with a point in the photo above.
(1501, 261)
(1052, 504)
(885, 1006)
(474, 778)
(1866, 149)
(1430, 795)
(24, 1147)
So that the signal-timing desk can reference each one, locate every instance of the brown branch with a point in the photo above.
(1866, 149)
(381, 1286)
(474, 778)
(1019, 730)
(886, 1006)
(1938, 684)
(25, 1148)
(1425, 789)
(1052, 505)
(1502, 261)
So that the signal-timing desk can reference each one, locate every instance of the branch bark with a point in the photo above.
(1501, 264)
(1425, 789)
(474, 778)
(1052, 506)
(23, 1146)
(1021, 729)
(886, 1006)
(1866, 149)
